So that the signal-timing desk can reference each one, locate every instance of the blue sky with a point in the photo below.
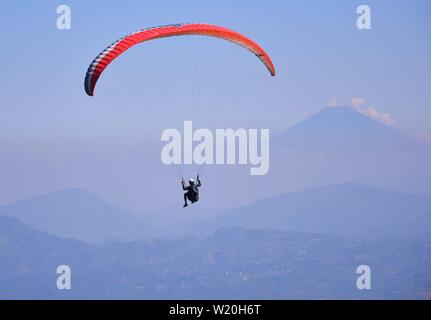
(320, 57)
(318, 52)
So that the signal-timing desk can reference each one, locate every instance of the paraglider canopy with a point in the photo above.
(99, 64)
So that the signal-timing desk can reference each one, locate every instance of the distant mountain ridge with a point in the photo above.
(348, 210)
(78, 214)
(338, 145)
(233, 263)
(29, 259)
(342, 129)
(351, 210)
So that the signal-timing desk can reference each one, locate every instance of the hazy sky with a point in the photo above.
(320, 56)
(318, 52)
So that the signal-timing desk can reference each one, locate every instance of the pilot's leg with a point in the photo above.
(185, 199)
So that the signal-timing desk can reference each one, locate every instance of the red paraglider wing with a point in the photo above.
(117, 48)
